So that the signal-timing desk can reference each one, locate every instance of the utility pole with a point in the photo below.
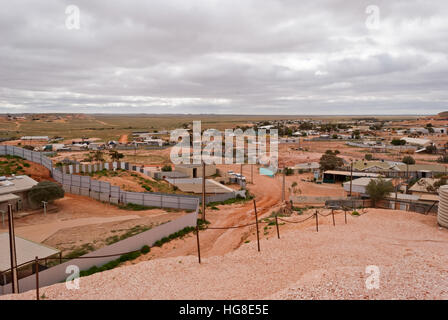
(252, 173)
(396, 195)
(283, 184)
(351, 177)
(12, 251)
(203, 191)
(241, 169)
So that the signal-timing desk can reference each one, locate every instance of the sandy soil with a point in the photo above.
(408, 248)
(267, 192)
(84, 219)
(123, 138)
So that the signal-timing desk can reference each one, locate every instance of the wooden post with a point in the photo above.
(317, 222)
(283, 185)
(345, 215)
(332, 214)
(203, 191)
(252, 174)
(276, 223)
(197, 241)
(12, 251)
(351, 177)
(36, 264)
(256, 223)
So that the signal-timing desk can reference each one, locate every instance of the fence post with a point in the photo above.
(37, 277)
(332, 214)
(276, 223)
(197, 241)
(256, 223)
(317, 222)
(345, 215)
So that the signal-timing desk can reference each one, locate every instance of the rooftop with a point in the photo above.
(26, 250)
(15, 184)
(362, 181)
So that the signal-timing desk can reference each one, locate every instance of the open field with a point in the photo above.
(112, 127)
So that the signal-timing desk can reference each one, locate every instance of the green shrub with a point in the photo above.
(45, 191)
(145, 249)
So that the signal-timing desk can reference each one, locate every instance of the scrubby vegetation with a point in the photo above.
(238, 199)
(144, 250)
(10, 165)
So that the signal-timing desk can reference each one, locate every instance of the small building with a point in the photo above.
(35, 138)
(306, 167)
(424, 186)
(14, 190)
(417, 142)
(359, 185)
(333, 176)
(26, 252)
(195, 170)
(195, 186)
(421, 170)
(153, 142)
(375, 166)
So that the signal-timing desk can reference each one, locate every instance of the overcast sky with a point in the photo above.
(228, 56)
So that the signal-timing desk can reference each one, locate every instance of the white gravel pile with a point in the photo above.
(409, 249)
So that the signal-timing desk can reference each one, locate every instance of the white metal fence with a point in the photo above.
(102, 190)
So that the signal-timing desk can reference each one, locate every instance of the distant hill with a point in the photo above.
(443, 114)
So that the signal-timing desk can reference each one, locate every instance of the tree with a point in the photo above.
(356, 134)
(330, 162)
(289, 171)
(431, 149)
(398, 142)
(368, 156)
(443, 159)
(45, 191)
(97, 155)
(28, 147)
(115, 155)
(167, 168)
(377, 189)
(408, 160)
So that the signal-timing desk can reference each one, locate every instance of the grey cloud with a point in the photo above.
(273, 56)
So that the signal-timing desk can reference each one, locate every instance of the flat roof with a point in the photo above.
(26, 250)
(8, 197)
(362, 181)
(355, 174)
(16, 184)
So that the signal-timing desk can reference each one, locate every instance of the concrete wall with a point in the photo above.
(188, 171)
(58, 273)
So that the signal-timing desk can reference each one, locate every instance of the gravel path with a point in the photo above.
(409, 249)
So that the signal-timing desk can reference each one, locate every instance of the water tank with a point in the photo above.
(442, 215)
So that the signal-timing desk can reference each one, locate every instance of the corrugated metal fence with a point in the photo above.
(102, 190)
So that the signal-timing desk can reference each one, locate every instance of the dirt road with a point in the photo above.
(123, 138)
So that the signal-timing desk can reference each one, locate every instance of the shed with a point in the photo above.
(26, 251)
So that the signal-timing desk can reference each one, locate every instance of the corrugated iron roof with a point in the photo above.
(26, 250)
